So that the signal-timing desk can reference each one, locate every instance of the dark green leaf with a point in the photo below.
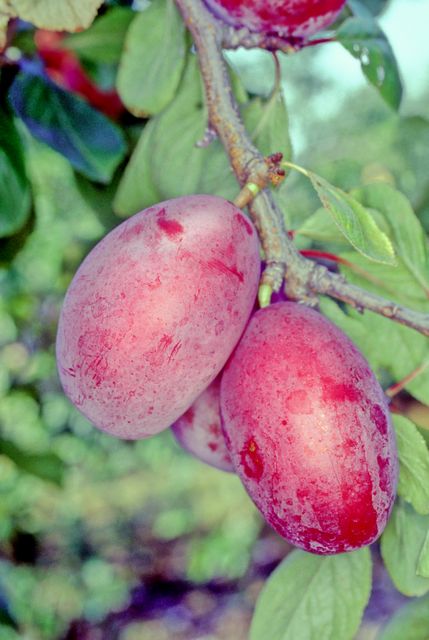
(104, 40)
(312, 597)
(401, 546)
(153, 59)
(68, 124)
(354, 221)
(15, 199)
(6, 619)
(47, 466)
(413, 455)
(410, 622)
(363, 38)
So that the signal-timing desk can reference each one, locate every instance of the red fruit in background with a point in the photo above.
(154, 312)
(199, 430)
(64, 68)
(308, 429)
(290, 19)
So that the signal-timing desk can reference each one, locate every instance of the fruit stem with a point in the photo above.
(264, 295)
(246, 195)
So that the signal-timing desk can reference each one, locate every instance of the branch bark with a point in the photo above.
(304, 279)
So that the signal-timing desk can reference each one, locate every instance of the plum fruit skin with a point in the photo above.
(154, 311)
(308, 429)
(289, 19)
(199, 430)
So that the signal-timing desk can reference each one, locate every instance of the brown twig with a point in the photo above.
(304, 279)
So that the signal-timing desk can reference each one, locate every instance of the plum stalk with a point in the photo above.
(304, 279)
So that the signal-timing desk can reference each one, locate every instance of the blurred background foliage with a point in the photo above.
(101, 538)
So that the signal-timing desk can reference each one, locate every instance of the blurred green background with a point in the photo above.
(107, 539)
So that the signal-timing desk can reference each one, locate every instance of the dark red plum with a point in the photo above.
(308, 430)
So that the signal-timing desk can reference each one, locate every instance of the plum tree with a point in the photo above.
(308, 429)
(289, 19)
(154, 312)
(199, 430)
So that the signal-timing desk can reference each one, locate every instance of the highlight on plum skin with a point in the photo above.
(293, 20)
(199, 430)
(309, 432)
(154, 311)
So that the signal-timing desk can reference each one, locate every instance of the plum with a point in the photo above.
(308, 429)
(293, 20)
(154, 311)
(199, 430)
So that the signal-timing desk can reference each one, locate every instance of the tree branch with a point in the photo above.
(304, 279)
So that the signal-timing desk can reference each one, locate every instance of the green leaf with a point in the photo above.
(137, 189)
(268, 120)
(177, 131)
(73, 15)
(401, 545)
(14, 192)
(321, 227)
(410, 622)
(404, 227)
(47, 466)
(153, 59)
(312, 597)
(363, 7)
(69, 125)
(354, 221)
(363, 38)
(104, 40)
(413, 455)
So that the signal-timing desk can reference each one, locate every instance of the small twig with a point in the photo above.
(334, 285)
(396, 388)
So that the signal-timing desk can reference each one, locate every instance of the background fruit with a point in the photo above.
(308, 429)
(291, 19)
(199, 429)
(154, 311)
(64, 68)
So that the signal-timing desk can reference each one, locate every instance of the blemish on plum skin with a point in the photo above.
(132, 231)
(342, 392)
(251, 460)
(213, 446)
(171, 227)
(244, 223)
(175, 350)
(383, 465)
(218, 265)
(379, 418)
